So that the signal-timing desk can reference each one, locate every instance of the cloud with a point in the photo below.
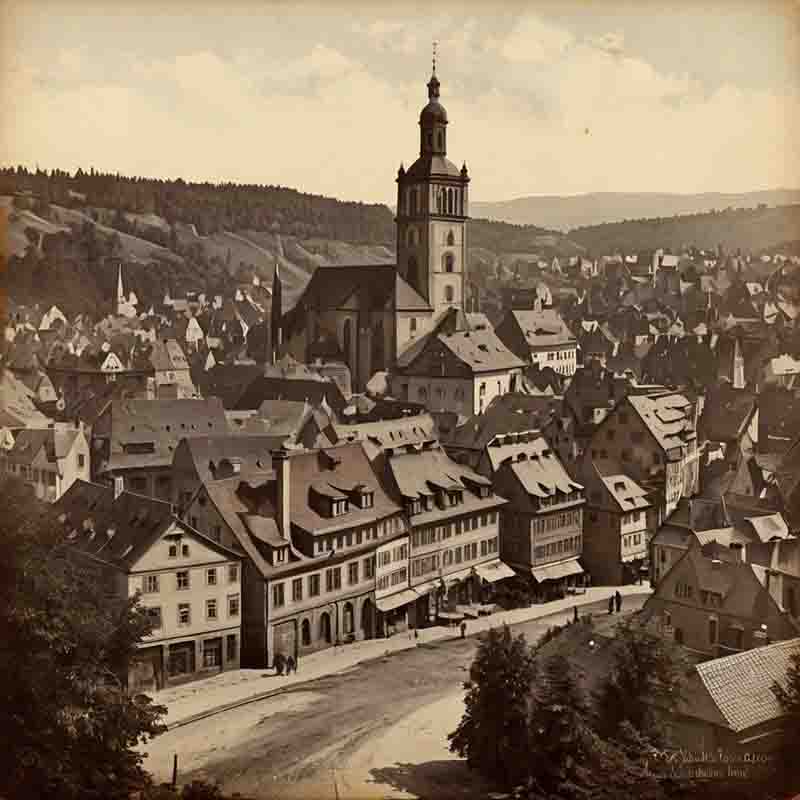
(613, 43)
(338, 115)
(533, 40)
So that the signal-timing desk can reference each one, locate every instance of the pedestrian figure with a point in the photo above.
(611, 604)
(618, 601)
(575, 613)
(280, 662)
(463, 629)
(416, 633)
(290, 665)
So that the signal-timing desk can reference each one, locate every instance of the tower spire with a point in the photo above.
(435, 45)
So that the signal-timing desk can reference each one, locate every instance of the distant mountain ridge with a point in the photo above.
(564, 213)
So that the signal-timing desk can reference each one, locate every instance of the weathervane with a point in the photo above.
(435, 45)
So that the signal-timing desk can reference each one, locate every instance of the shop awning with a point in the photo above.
(453, 615)
(554, 572)
(494, 571)
(426, 588)
(457, 576)
(396, 600)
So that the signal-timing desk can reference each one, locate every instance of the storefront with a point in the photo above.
(553, 581)
(394, 611)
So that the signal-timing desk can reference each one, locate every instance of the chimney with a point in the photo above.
(119, 486)
(280, 463)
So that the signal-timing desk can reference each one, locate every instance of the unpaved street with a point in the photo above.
(374, 731)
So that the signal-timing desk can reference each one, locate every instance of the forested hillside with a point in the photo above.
(748, 229)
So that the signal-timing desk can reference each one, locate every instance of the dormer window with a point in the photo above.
(339, 507)
(427, 502)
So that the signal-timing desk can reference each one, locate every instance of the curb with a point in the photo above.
(221, 709)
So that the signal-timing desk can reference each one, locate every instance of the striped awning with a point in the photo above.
(494, 571)
(554, 572)
(396, 600)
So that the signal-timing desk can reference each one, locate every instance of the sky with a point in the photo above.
(543, 98)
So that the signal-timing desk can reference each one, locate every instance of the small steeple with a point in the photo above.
(433, 83)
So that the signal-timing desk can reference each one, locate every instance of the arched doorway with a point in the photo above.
(348, 619)
(305, 633)
(368, 619)
(325, 627)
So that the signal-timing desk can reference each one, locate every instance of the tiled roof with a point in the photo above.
(625, 492)
(206, 454)
(295, 389)
(667, 417)
(419, 473)
(481, 350)
(544, 328)
(118, 531)
(740, 685)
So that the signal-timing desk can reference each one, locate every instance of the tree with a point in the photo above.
(788, 697)
(493, 733)
(644, 684)
(567, 759)
(68, 726)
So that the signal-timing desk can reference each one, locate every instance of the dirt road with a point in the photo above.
(377, 730)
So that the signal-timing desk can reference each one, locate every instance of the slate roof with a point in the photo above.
(206, 454)
(387, 434)
(667, 417)
(314, 391)
(726, 413)
(740, 685)
(118, 531)
(341, 468)
(380, 286)
(28, 442)
(162, 422)
(626, 494)
(420, 473)
(481, 350)
(544, 328)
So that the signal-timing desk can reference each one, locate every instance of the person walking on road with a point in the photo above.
(611, 604)
(280, 663)
(574, 613)
(463, 629)
(618, 600)
(290, 665)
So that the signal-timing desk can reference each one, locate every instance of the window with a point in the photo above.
(212, 653)
(712, 631)
(184, 614)
(216, 533)
(154, 616)
(412, 324)
(278, 599)
(451, 240)
(183, 578)
(81, 460)
(231, 648)
(211, 577)
(211, 608)
(313, 585)
(193, 522)
(173, 551)
(297, 590)
(482, 390)
(233, 573)
(185, 550)
(233, 605)
(449, 262)
(369, 568)
(150, 584)
(333, 579)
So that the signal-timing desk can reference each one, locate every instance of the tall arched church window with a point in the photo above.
(449, 201)
(448, 294)
(440, 201)
(451, 240)
(449, 262)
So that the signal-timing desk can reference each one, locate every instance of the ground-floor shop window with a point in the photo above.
(212, 653)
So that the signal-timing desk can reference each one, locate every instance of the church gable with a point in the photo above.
(437, 360)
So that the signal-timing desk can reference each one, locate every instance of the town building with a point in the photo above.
(189, 586)
(310, 538)
(729, 706)
(713, 603)
(653, 437)
(134, 440)
(540, 337)
(542, 525)
(171, 372)
(453, 514)
(49, 459)
(615, 535)
(461, 371)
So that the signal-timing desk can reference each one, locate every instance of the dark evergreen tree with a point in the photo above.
(493, 733)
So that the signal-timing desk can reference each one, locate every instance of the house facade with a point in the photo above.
(49, 460)
(542, 525)
(540, 337)
(189, 585)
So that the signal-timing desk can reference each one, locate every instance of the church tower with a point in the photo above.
(432, 213)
